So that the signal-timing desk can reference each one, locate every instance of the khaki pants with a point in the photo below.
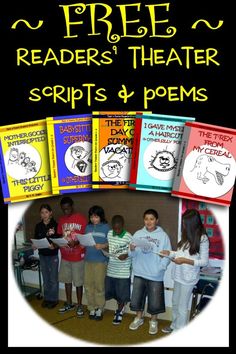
(72, 272)
(94, 284)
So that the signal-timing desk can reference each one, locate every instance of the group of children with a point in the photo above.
(104, 270)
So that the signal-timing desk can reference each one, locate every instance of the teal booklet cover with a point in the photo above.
(157, 139)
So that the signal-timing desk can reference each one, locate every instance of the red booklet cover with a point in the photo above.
(206, 166)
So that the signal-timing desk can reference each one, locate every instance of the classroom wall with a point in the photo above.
(130, 204)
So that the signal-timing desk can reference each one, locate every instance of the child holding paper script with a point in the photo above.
(48, 256)
(72, 255)
(117, 282)
(148, 269)
(96, 263)
(192, 253)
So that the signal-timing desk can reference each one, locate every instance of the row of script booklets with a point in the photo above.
(117, 150)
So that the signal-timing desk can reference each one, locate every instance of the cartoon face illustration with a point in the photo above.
(205, 164)
(22, 162)
(21, 157)
(78, 158)
(13, 156)
(114, 163)
(31, 167)
(111, 168)
(25, 161)
(78, 153)
(159, 161)
(163, 161)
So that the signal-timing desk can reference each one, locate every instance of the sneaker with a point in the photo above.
(117, 318)
(98, 315)
(66, 308)
(80, 311)
(167, 330)
(137, 322)
(153, 328)
(92, 315)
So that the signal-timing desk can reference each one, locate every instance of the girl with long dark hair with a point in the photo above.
(192, 253)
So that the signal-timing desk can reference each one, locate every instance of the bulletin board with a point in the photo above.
(216, 248)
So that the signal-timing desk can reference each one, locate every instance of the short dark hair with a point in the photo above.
(118, 219)
(66, 200)
(99, 211)
(152, 212)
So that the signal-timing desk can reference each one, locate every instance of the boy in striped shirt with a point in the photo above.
(117, 282)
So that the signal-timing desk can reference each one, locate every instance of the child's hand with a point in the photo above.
(123, 256)
(164, 252)
(99, 246)
(54, 245)
(179, 260)
(66, 234)
(183, 260)
(72, 243)
(132, 247)
(51, 232)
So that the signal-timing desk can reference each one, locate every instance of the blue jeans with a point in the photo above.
(49, 269)
(118, 289)
(154, 290)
